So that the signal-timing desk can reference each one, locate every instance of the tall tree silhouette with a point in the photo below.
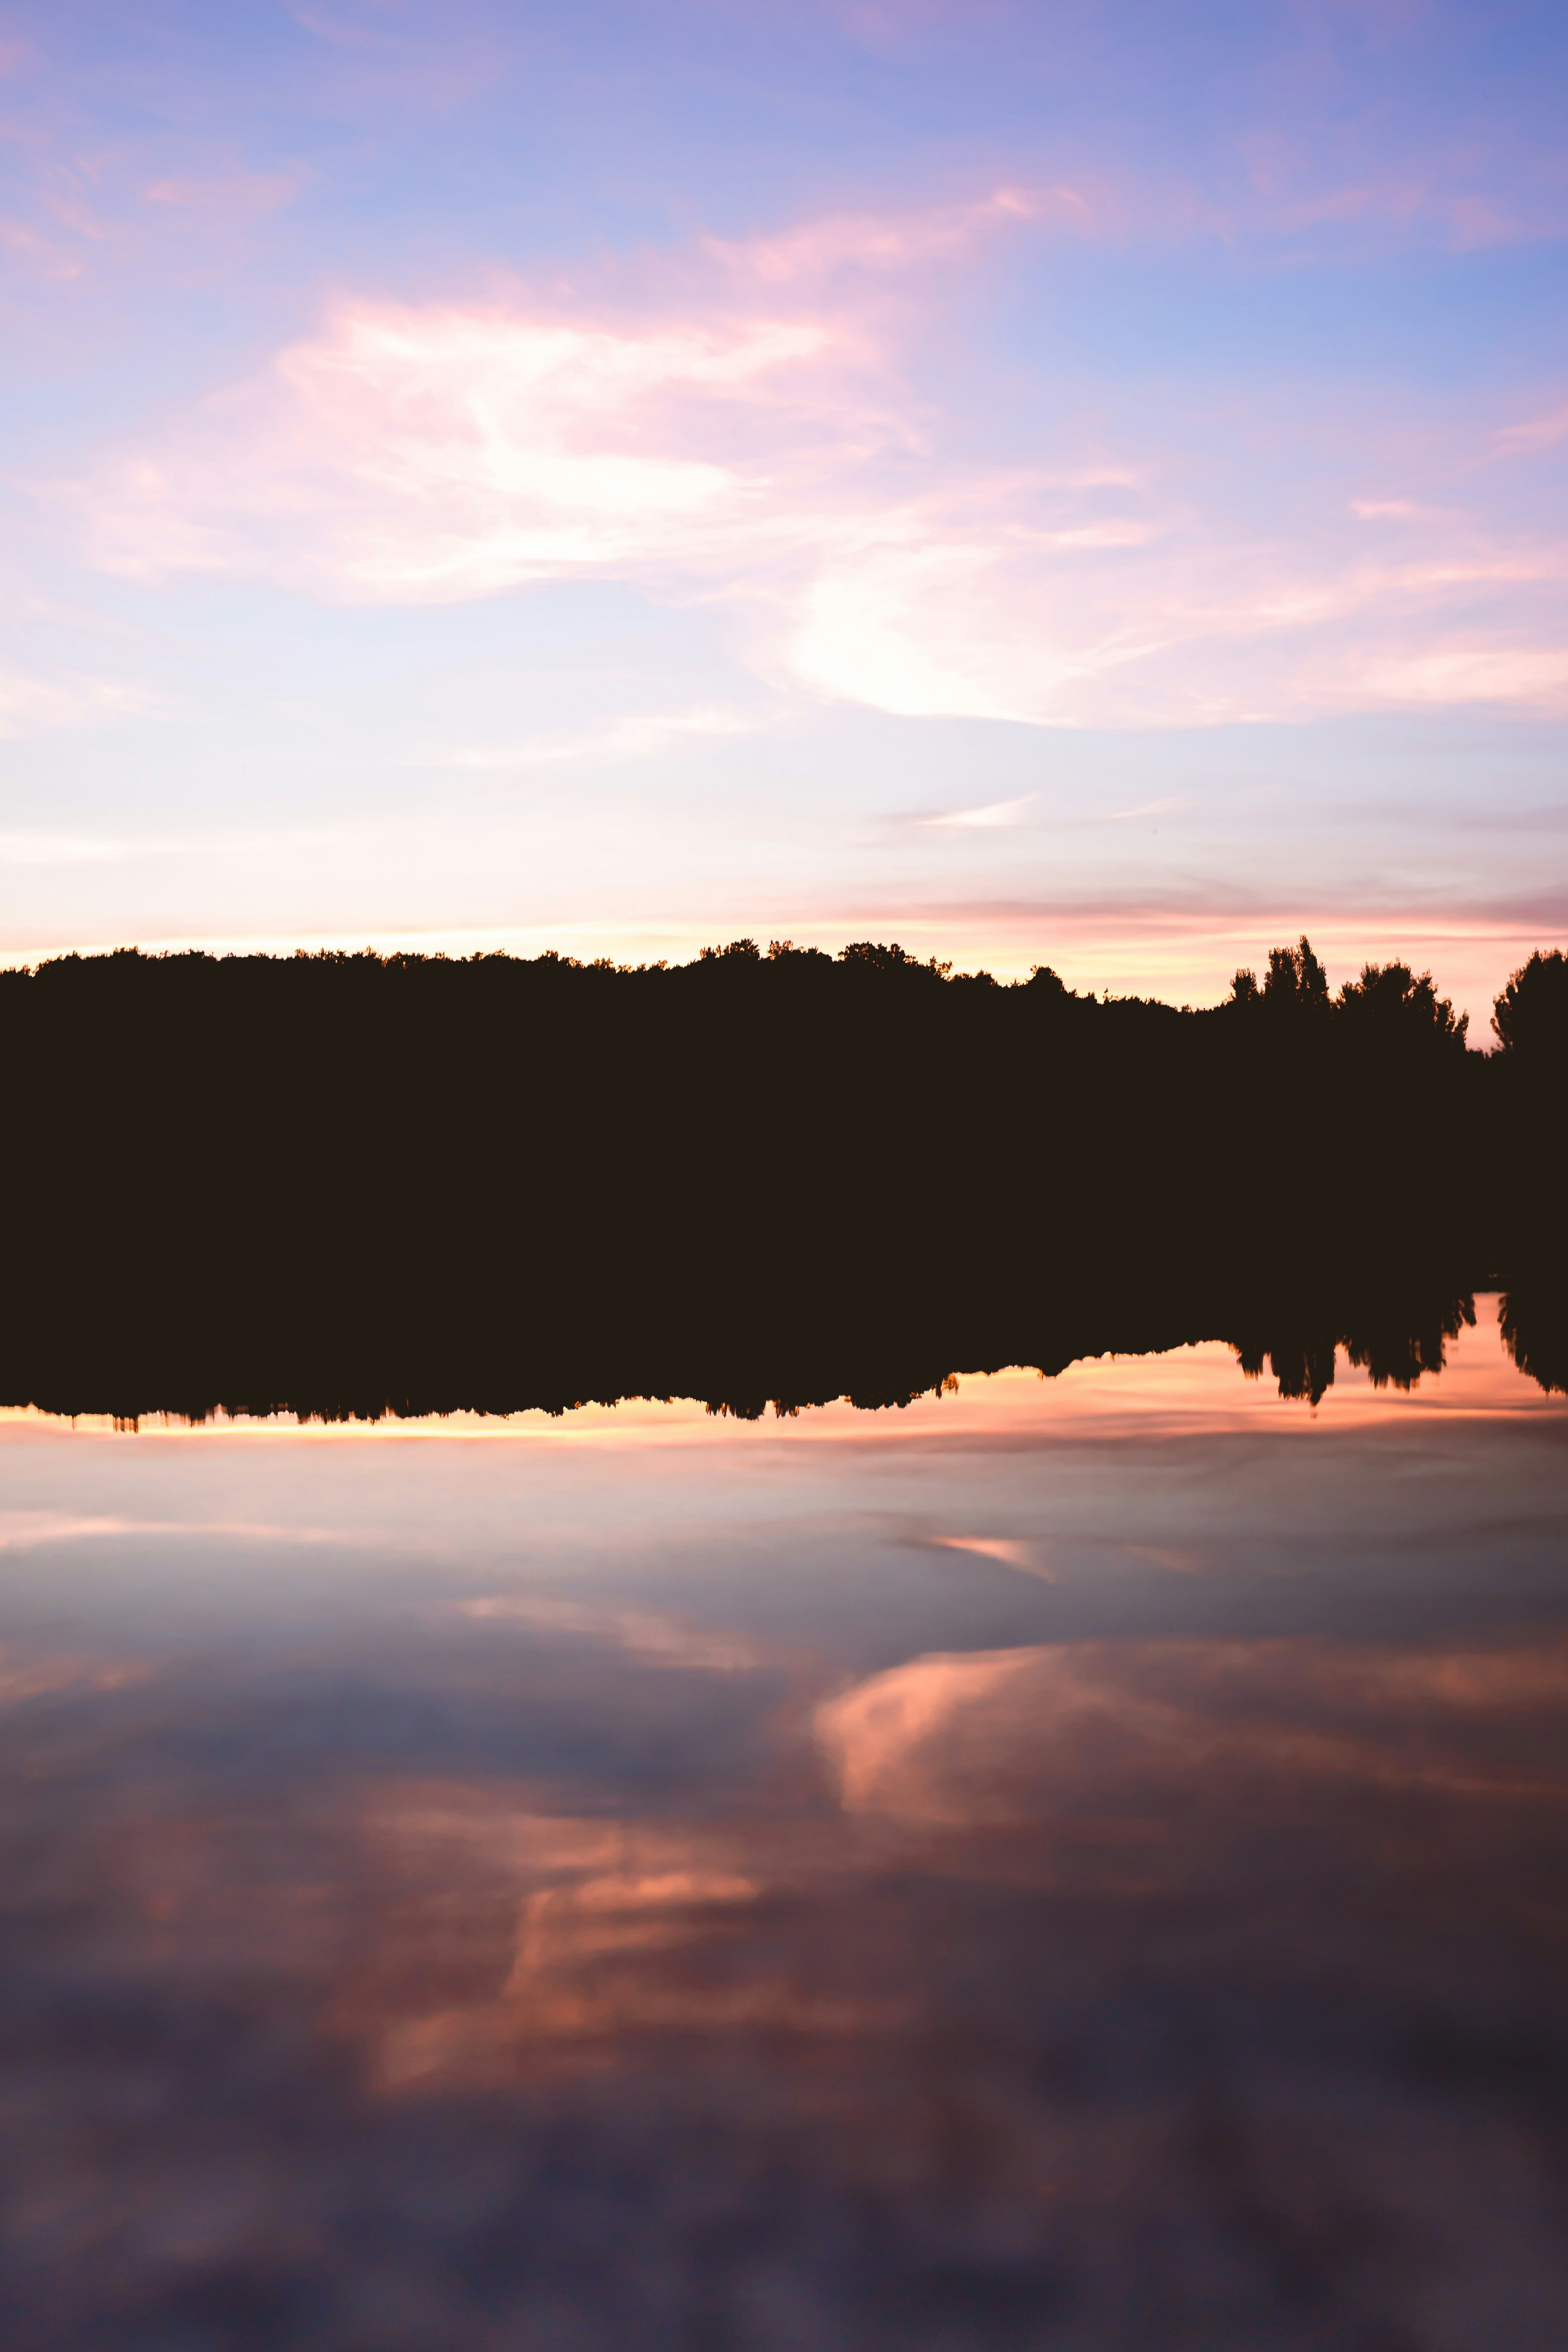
(1530, 1017)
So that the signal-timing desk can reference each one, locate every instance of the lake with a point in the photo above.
(1071, 1863)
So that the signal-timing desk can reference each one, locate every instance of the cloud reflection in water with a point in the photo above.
(672, 1894)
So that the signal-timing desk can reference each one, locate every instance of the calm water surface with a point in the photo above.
(1075, 1863)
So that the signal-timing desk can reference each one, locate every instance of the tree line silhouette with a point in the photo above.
(359, 1180)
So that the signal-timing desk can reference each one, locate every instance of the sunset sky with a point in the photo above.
(1074, 483)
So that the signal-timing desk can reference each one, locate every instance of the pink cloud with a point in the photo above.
(889, 27)
(958, 1740)
(897, 241)
(1532, 677)
(993, 814)
(1466, 221)
(125, 206)
(34, 250)
(32, 704)
(749, 441)
(1187, 625)
(1536, 433)
(233, 197)
(419, 57)
(437, 455)
(343, 29)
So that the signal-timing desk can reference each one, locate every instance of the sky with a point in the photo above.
(1068, 482)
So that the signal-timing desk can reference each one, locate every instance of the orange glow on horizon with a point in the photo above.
(1195, 1387)
(1167, 953)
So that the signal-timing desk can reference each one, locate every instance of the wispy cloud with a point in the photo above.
(746, 440)
(1536, 433)
(32, 704)
(349, 27)
(891, 242)
(231, 197)
(429, 455)
(995, 812)
(404, 51)
(1172, 806)
(644, 1633)
(144, 205)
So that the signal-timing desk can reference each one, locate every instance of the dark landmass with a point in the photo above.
(349, 1184)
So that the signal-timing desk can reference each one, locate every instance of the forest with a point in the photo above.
(351, 1184)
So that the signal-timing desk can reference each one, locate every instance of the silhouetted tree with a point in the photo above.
(889, 962)
(1534, 1323)
(1530, 1017)
(1296, 981)
(1390, 1002)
